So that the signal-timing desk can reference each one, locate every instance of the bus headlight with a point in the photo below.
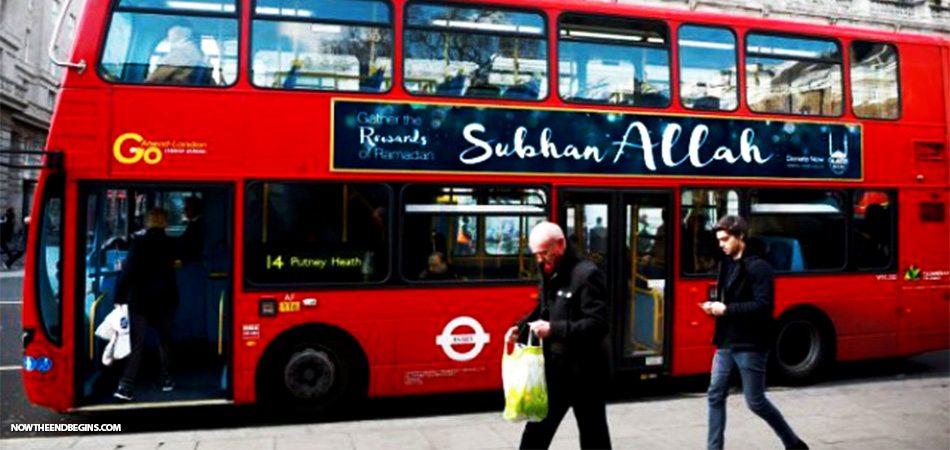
(44, 364)
(29, 363)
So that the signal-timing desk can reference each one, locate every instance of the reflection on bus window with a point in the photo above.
(475, 52)
(481, 231)
(872, 229)
(702, 208)
(798, 230)
(793, 76)
(874, 83)
(708, 76)
(317, 233)
(305, 45)
(172, 49)
(614, 60)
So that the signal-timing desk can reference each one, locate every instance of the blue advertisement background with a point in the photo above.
(453, 138)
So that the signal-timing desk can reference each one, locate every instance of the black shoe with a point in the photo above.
(168, 385)
(800, 445)
(123, 393)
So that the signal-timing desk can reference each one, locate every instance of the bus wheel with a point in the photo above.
(803, 347)
(318, 374)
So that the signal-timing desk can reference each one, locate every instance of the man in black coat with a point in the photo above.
(571, 319)
(148, 285)
(744, 325)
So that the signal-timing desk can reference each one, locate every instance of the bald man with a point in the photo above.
(571, 319)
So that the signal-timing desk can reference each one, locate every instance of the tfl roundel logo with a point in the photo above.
(471, 342)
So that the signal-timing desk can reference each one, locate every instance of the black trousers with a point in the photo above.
(570, 388)
(164, 324)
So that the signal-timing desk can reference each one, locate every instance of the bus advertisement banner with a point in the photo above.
(424, 137)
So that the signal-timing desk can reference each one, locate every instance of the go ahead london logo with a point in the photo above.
(133, 148)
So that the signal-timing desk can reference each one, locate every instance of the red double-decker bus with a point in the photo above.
(362, 175)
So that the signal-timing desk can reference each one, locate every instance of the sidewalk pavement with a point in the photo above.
(889, 414)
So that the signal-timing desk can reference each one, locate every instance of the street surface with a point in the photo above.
(901, 403)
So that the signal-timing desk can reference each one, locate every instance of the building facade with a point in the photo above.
(28, 86)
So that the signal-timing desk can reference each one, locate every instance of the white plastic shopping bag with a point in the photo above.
(115, 329)
(526, 391)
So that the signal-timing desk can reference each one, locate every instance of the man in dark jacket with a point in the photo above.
(571, 319)
(149, 287)
(743, 311)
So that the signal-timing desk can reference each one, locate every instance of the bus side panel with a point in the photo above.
(860, 306)
(692, 329)
(925, 270)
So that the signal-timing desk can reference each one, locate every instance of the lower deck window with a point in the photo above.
(316, 233)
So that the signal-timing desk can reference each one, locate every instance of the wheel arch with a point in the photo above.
(826, 328)
(309, 332)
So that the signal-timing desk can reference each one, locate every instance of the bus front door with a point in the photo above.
(627, 233)
(200, 226)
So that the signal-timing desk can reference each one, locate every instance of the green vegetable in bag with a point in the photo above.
(526, 391)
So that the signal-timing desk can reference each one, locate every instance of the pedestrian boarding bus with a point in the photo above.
(368, 172)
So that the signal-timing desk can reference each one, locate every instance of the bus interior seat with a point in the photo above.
(201, 76)
(483, 90)
(453, 86)
(374, 82)
(784, 253)
(707, 102)
(526, 91)
(652, 99)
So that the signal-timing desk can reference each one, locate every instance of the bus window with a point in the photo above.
(159, 42)
(482, 232)
(708, 71)
(317, 233)
(328, 45)
(475, 52)
(793, 75)
(874, 83)
(614, 60)
(798, 230)
(702, 208)
(48, 259)
(872, 225)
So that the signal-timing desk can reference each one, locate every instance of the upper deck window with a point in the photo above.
(793, 75)
(172, 42)
(874, 83)
(614, 60)
(475, 52)
(708, 75)
(330, 45)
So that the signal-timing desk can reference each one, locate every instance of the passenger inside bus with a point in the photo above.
(437, 268)
(184, 63)
(873, 236)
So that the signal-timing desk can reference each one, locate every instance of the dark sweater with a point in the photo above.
(746, 287)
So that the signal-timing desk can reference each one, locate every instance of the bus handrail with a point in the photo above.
(92, 324)
(81, 65)
(221, 324)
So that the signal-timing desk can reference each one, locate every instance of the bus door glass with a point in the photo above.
(625, 234)
(199, 225)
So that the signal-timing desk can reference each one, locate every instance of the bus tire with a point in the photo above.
(804, 347)
(313, 371)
